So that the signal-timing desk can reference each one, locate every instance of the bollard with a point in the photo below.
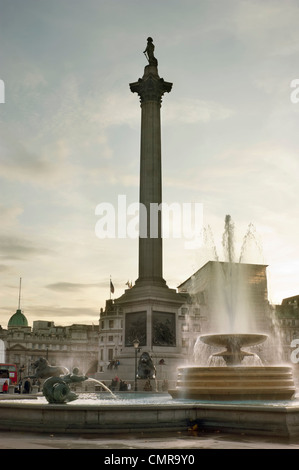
(11, 389)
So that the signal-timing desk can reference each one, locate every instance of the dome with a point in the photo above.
(18, 319)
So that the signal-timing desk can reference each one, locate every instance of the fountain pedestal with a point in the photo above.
(234, 382)
(233, 355)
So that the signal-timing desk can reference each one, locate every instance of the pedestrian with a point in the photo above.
(147, 386)
(113, 385)
(5, 387)
(27, 386)
(123, 386)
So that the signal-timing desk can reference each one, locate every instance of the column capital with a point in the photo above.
(150, 87)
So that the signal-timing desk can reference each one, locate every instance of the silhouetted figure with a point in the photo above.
(149, 52)
(27, 386)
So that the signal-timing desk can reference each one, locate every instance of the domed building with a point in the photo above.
(17, 320)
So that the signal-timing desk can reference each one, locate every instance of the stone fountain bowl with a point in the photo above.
(233, 381)
(233, 340)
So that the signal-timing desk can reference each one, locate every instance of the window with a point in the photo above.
(110, 354)
(111, 323)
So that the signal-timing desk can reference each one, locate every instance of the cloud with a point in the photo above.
(192, 111)
(268, 26)
(16, 161)
(72, 286)
(15, 248)
(114, 109)
(4, 268)
(9, 214)
(62, 315)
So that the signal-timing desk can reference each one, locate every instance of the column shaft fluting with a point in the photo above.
(150, 89)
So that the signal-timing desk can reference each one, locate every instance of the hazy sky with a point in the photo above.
(70, 138)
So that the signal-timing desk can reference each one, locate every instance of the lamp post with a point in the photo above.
(136, 347)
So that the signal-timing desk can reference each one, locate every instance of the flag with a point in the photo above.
(111, 287)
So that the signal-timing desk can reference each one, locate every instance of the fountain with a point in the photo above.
(233, 355)
(234, 381)
(235, 397)
(56, 387)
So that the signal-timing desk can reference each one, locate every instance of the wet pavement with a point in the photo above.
(193, 441)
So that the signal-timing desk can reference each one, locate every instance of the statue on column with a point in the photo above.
(149, 52)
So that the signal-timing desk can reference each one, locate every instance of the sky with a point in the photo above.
(70, 140)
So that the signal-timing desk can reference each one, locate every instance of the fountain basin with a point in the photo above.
(234, 383)
(233, 342)
(161, 414)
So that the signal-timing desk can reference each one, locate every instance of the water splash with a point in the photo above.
(91, 379)
(234, 303)
(209, 244)
(235, 283)
(228, 240)
(251, 247)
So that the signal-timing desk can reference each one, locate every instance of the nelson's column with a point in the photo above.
(150, 308)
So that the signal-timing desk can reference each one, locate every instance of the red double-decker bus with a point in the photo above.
(8, 372)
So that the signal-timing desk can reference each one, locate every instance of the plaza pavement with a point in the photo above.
(152, 441)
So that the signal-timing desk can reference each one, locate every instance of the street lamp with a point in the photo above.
(136, 347)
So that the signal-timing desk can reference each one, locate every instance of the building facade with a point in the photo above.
(69, 346)
(287, 317)
(199, 314)
(101, 350)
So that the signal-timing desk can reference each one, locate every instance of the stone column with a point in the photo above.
(150, 89)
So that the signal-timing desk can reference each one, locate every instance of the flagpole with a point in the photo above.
(20, 286)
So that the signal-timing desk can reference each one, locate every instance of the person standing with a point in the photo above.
(5, 387)
(27, 386)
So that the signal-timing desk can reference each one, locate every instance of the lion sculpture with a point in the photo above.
(146, 368)
(43, 370)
